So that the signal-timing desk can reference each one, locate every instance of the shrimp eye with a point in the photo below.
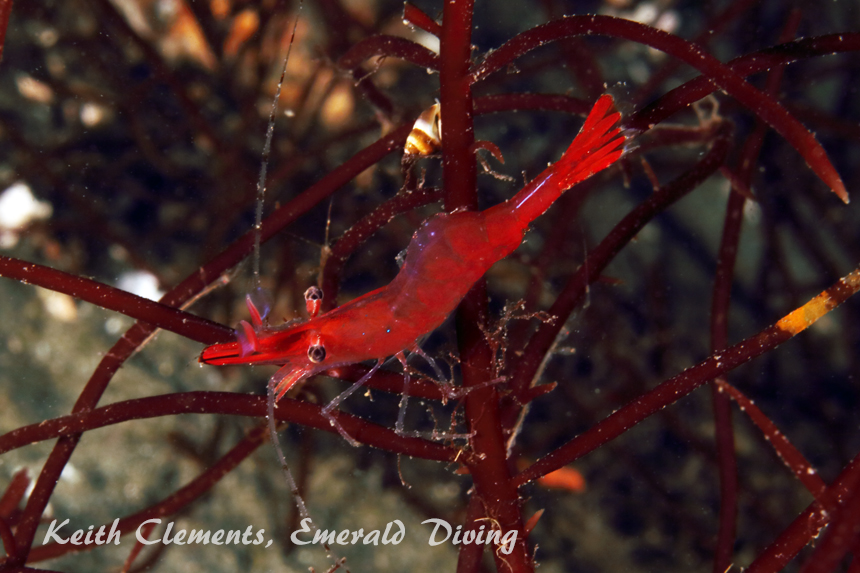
(313, 293)
(313, 301)
(316, 353)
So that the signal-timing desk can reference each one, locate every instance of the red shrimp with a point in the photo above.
(446, 256)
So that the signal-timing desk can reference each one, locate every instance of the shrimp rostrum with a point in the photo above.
(445, 257)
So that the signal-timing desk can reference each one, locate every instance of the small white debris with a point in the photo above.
(34, 90)
(427, 40)
(114, 325)
(71, 474)
(58, 305)
(752, 212)
(141, 283)
(92, 114)
(18, 208)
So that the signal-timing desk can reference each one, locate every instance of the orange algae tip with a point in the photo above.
(566, 478)
(802, 318)
(530, 524)
(426, 135)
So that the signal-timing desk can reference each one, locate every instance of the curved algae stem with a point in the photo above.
(802, 318)
(680, 385)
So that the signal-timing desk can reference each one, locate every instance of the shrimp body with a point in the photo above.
(446, 256)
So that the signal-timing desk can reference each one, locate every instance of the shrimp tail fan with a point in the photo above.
(599, 144)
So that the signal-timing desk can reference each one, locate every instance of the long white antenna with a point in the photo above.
(267, 148)
(258, 231)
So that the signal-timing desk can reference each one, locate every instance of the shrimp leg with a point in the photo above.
(448, 392)
(404, 397)
(327, 411)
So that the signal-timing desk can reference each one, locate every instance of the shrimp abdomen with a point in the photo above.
(599, 144)
(452, 251)
(446, 257)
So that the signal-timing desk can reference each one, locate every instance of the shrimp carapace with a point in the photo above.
(446, 256)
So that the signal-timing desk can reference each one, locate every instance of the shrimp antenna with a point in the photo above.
(273, 430)
(288, 475)
(258, 231)
(267, 148)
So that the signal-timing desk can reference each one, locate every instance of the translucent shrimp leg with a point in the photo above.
(448, 392)
(327, 411)
(404, 397)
